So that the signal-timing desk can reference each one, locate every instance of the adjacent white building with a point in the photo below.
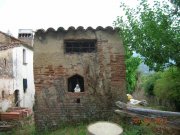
(16, 70)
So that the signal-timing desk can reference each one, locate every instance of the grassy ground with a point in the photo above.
(79, 130)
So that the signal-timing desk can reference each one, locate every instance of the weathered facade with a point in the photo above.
(91, 58)
(16, 73)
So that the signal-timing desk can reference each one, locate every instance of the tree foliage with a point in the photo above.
(149, 82)
(132, 64)
(176, 2)
(164, 85)
(153, 32)
(168, 86)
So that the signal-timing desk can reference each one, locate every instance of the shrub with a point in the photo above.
(168, 86)
(149, 82)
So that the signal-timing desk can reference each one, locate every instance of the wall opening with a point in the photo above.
(5, 62)
(80, 46)
(25, 85)
(76, 83)
(24, 57)
(16, 98)
(24, 35)
(3, 94)
(78, 100)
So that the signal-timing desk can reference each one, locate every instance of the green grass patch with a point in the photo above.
(79, 129)
(71, 130)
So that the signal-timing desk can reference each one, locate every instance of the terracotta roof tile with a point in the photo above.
(72, 28)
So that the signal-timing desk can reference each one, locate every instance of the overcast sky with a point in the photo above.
(37, 14)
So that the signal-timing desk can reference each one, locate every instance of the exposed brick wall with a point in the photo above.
(103, 73)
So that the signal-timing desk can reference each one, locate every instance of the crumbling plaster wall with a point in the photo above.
(103, 72)
(6, 64)
(24, 71)
(12, 73)
(6, 79)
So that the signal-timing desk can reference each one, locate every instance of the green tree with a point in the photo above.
(153, 32)
(167, 87)
(132, 64)
(175, 2)
(149, 81)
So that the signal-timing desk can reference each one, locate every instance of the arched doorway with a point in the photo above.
(16, 98)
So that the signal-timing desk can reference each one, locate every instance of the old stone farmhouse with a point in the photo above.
(79, 74)
(16, 70)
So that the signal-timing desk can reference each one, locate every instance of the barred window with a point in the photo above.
(80, 46)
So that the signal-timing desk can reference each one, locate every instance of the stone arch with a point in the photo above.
(73, 81)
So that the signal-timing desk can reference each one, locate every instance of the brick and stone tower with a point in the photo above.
(92, 59)
(26, 35)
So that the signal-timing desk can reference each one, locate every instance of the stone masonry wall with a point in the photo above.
(103, 72)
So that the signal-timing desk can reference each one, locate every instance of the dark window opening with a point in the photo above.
(75, 81)
(80, 46)
(26, 35)
(24, 57)
(25, 85)
(78, 100)
(16, 98)
(3, 94)
(5, 62)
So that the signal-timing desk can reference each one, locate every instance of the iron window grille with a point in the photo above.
(80, 46)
